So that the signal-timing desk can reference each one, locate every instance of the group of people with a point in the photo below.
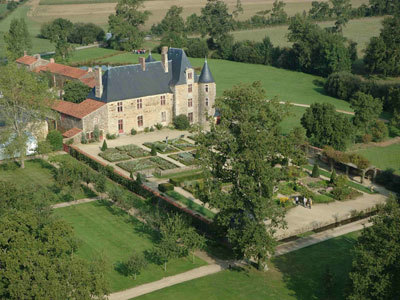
(301, 200)
(139, 51)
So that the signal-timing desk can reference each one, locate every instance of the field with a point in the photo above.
(384, 157)
(38, 174)
(105, 230)
(297, 275)
(358, 30)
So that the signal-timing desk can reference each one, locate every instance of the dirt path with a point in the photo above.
(71, 203)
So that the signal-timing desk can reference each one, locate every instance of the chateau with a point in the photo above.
(141, 95)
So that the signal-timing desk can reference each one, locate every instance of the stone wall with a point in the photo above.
(99, 117)
(67, 122)
(181, 96)
(151, 111)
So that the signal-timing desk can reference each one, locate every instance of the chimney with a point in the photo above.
(25, 53)
(164, 58)
(142, 62)
(37, 56)
(90, 70)
(52, 61)
(99, 83)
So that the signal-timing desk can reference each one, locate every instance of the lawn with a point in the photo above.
(296, 275)
(358, 30)
(91, 53)
(383, 157)
(106, 230)
(192, 205)
(40, 175)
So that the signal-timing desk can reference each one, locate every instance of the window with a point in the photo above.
(190, 117)
(206, 88)
(88, 135)
(190, 102)
(119, 107)
(206, 101)
(140, 121)
(190, 88)
(139, 103)
(163, 100)
(120, 126)
(163, 116)
(190, 75)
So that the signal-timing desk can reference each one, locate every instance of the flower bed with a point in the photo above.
(113, 155)
(161, 147)
(162, 163)
(134, 151)
(181, 144)
(137, 165)
(186, 158)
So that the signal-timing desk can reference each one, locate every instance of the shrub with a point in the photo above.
(181, 122)
(83, 139)
(367, 138)
(342, 85)
(151, 129)
(340, 181)
(133, 131)
(111, 136)
(333, 177)
(379, 131)
(75, 91)
(165, 187)
(197, 48)
(104, 147)
(96, 133)
(146, 129)
(153, 151)
(55, 139)
(159, 126)
(100, 183)
(315, 171)
(44, 147)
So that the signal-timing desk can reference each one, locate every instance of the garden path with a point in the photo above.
(76, 202)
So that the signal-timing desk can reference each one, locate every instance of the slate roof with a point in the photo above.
(149, 58)
(179, 66)
(75, 110)
(206, 76)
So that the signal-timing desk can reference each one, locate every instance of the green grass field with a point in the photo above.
(91, 53)
(192, 205)
(296, 275)
(358, 30)
(38, 174)
(38, 45)
(383, 157)
(105, 229)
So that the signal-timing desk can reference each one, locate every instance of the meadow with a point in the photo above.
(296, 275)
(383, 157)
(103, 229)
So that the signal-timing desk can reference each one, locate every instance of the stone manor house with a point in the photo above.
(141, 95)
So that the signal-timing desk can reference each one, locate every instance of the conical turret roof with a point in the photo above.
(149, 58)
(206, 76)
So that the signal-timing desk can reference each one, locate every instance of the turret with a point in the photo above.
(207, 93)
(150, 58)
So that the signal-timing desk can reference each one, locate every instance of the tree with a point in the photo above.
(172, 22)
(55, 138)
(44, 147)
(325, 127)
(194, 24)
(86, 33)
(153, 151)
(38, 257)
(17, 39)
(58, 32)
(135, 264)
(341, 9)
(104, 147)
(243, 149)
(315, 171)
(217, 22)
(278, 14)
(366, 109)
(181, 122)
(333, 177)
(375, 270)
(197, 48)
(75, 91)
(342, 85)
(319, 11)
(125, 25)
(24, 107)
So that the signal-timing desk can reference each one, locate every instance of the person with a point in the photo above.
(305, 202)
(296, 200)
(310, 202)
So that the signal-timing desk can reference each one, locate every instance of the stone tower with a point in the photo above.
(207, 93)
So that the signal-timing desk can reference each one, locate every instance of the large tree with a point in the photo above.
(376, 264)
(75, 91)
(341, 10)
(17, 39)
(58, 32)
(37, 252)
(326, 127)
(125, 25)
(366, 108)
(25, 104)
(243, 150)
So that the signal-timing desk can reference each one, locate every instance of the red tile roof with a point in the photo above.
(26, 60)
(62, 70)
(72, 132)
(78, 111)
(89, 81)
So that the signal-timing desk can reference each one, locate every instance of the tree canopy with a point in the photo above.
(243, 150)
(366, 108)
(75, 91)
(17, 39)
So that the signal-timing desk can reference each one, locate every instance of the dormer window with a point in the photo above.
(206, 88)
(190, 75)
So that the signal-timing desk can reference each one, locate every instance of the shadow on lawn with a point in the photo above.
(304, 271)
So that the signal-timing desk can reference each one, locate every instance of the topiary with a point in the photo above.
(55, 139)
(153, 151)
(315, 171)
(104, 147)
(133, 131)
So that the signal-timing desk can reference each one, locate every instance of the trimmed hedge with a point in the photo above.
(179, 180)
(165, 187)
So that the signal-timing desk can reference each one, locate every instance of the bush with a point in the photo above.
(86, 33)
(75, 91)
(133, 131)
(111, 136)
(315, 171)
(367, 138)
(146, 129)
(340, 181)
(96, 133)
(44, 147)
(151, 129)
(379, 131)
(181, 122)
(165, 187)
(342, 85)
(83, 139)
(12, 5)
(153, 151)
(159, 126)
(197, 48)
(55, 139)
(104, 147)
